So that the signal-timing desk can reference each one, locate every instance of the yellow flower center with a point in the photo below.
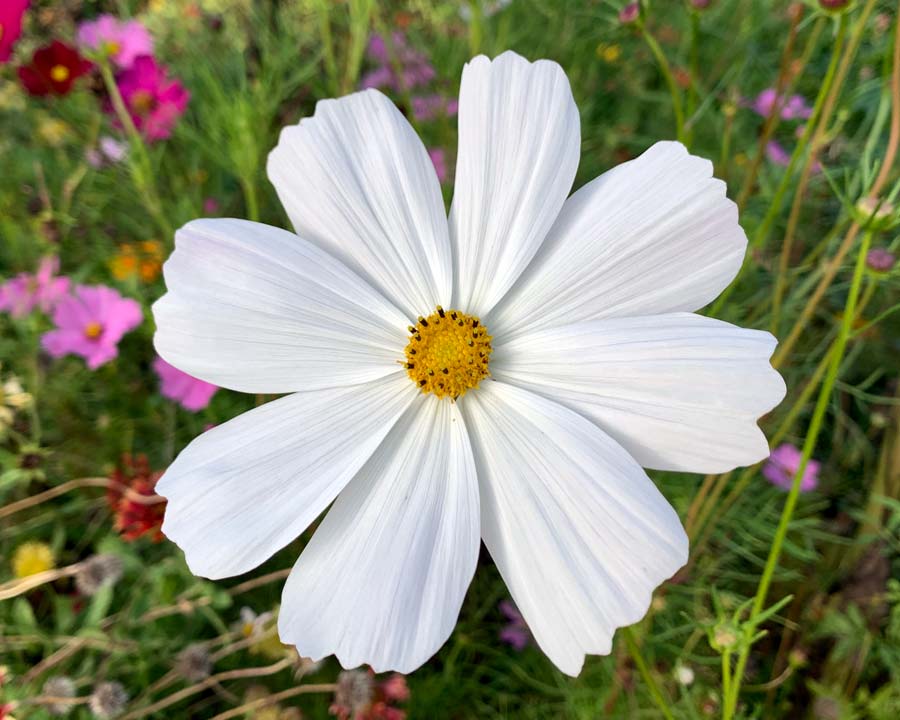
(110, 47)
(93, 330)
(142, 102)
(59, 73)
(448, 353)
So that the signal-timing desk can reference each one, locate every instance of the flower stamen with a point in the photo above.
(448, 353)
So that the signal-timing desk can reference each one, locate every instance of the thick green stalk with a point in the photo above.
(809, 446)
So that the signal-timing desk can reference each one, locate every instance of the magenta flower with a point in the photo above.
(795, 108)
(777, 154)
(428, 107)
(189, 392)
(439, 160)
(880, 259)
(414, 68)
(154, 100)
(20, 295)
(90, 323)
(515, 633)
(122, 41)
(783, 464)
(11, 13)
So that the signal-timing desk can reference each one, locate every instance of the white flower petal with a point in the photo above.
(653, 235)
(384, 576)
(254, 308)
(678, 391)
(578, 531)
(519, 141)
(356, 180)
(243, 490)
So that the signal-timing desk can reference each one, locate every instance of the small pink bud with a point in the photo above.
(630, 13)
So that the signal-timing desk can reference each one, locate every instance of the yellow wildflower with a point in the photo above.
(31, 558)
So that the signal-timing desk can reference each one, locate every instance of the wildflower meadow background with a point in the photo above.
(120, 120)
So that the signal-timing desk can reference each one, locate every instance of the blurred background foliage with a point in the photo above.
(688, 69)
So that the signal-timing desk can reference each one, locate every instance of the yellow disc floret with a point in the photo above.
(448, 353)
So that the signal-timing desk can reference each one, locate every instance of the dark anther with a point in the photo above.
(409, 366)
(423, 322)
(475, 324)
(445, 371)
(440, 311)
(453, 315)
(422, 383)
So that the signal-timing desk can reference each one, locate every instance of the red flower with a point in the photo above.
(53, 69)
(134, 518)
(11, 12)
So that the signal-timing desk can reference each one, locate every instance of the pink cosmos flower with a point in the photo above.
(211, 206)
(25, 292)
(428, 107)
(795, 108)
(783, 464)
(154, 100)
(122, 41)
(90, 323)
(11, 13)
(777, 154)
(880, 259)
(439, 160)
(414, 68)
(189, 392)
(515, 633)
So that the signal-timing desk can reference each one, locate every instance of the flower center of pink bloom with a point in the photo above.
(142, 102)
(111, 47)
(59, 73)
(93, 330)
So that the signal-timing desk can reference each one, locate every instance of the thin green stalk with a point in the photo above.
(784, 86)
(635, 652)
(331, 69)
(360, 21)
(666, 71)
(799, 150)
(815, 118)
(809, 446)
(138, 159)
(692, 95)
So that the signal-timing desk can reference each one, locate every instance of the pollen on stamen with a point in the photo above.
(448, 359)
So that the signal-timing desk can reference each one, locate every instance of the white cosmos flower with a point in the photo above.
(597, 365)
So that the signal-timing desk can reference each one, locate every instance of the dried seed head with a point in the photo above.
(59, 687)
(354, 691)
(108, 700)
(97, 571)
(193, 663)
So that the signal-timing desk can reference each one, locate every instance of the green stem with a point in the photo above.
(635, 652)
(666, 71)
(324, 17)
(249, 189)
(138, 159)
(778, 198)
(800, 150)
(809, 446)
